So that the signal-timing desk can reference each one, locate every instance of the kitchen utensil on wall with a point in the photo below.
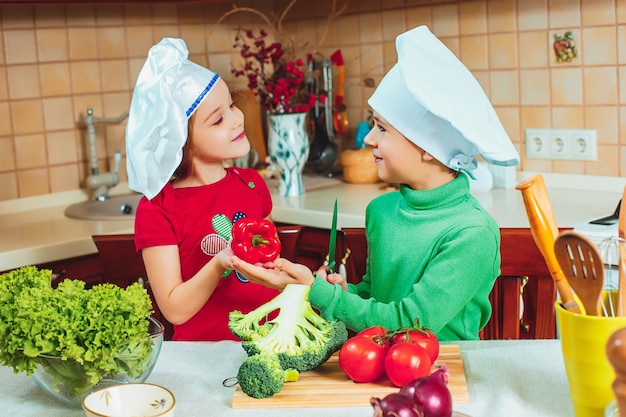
(583, 267)
(340, 115)
(323, 150)
(544, 231)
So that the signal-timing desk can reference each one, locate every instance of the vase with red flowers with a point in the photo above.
(279, 84)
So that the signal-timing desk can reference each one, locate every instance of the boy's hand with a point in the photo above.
(276, 274)
(333, 278)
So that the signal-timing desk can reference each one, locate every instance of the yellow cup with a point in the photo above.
(590, 375)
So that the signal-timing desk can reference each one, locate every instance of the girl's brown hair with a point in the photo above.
(185, 169)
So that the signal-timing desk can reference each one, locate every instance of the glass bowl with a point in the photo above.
(67, 382)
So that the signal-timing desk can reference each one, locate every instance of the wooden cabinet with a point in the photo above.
(87, 268)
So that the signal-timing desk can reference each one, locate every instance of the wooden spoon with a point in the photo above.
(583, 267)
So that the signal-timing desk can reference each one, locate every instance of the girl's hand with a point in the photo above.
(276, 274)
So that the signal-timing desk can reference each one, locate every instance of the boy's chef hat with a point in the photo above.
(432, 98)
(169, 88)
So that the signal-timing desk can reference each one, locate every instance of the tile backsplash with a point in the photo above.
(56, 60)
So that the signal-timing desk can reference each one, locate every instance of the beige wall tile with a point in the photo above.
(140, 40)
(621, 44)
(195, 37)
(23, 81)
(418, 16)
(599, 46)
(569, 167)
(571, 117)
(109, 14)
(534, 87)
(139, 14)
(598, 12)
(164, 14)
(17, 17)
(58, 113)
(622, 85)
(50, 16)
(473, 17)
(504, 90)
(30, 151)
(535, 117)
(83, 43)
(26, 116)
(348, 29)
(622, 126)
(532, 14)
(5, 119)
(85, 76)
(111, 42)
(372, 59)
(563, 13)
(566, 86)
(608, 162)
(32, 182)
(445, 20)
(621, 11)
(503, 51)
(575, 44)
(600, 85)
(394, 23)
(8, 191)
(55, 79)
(533, 51)
(509, 117)
(501, 16)
(7, 155)
(4, 85)
(370, 28)
(81, 15)
(62, 147)
(63, 178)
(52, 44)
(605, 120)
(115, 75)
(20, 46)
(165, 31)
(474, 52)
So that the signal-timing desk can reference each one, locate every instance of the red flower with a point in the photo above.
(282, 89)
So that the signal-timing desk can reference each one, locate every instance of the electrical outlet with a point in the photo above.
(537, 143)
(562, 144)
(584, 145)
(559, 144)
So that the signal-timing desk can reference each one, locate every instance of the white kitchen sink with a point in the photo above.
(119, 207)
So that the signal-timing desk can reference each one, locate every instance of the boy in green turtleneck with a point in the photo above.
(433, 251)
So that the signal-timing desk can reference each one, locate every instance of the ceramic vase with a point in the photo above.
(288, 147)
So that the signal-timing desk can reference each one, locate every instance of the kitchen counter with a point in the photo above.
(35, 230)
(504, 378)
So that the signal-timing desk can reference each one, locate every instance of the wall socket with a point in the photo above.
(568, 144)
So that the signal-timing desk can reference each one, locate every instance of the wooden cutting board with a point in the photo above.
(328, 386)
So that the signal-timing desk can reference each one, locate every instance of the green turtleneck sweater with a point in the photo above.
(432, 255)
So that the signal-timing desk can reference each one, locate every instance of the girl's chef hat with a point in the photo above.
(168, 90)
(431, 98)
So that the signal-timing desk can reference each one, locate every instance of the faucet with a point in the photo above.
(99, 183)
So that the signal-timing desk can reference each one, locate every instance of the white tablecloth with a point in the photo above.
(505, 379)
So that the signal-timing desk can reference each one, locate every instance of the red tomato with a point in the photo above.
(378, 334)
(362, 359)
(424, 337)
(406, 361)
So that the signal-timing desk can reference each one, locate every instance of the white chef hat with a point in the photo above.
(432, 98)
(169, 88)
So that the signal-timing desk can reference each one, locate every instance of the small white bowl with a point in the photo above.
(133, 399)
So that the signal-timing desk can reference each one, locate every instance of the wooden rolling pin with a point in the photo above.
(616, 353)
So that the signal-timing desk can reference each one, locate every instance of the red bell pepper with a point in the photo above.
(255, 240)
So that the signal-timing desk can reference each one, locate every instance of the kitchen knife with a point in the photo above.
(333, 241)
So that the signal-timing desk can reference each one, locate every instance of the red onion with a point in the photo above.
(431, 393)
(395, 405)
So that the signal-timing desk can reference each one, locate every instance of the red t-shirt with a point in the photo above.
(185, 217)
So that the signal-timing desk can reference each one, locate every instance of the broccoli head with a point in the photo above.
(261, 375)
(298, 336)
